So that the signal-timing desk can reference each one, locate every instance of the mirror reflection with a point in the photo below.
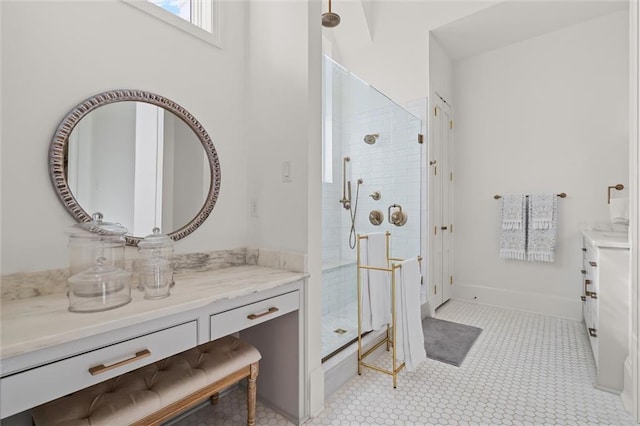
(138, 158)
(133, 162)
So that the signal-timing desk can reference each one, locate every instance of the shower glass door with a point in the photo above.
(367, 138)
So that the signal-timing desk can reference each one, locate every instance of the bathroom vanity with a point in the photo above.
(605, 275)
(48, 352)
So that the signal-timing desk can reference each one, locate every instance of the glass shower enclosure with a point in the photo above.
(371, 169)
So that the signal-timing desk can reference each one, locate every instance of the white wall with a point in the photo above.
(55, 54)
(277, 122)
(549, 114)
(440, 72)
(396, 62)
(283, 123)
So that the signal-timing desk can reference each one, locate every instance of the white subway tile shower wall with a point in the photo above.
(390, 166)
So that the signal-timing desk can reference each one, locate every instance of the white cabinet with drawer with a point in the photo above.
(240, 318)
(606, 295)
(28, 388)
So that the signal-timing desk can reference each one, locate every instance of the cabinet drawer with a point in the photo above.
(237, 319)
(29, 388)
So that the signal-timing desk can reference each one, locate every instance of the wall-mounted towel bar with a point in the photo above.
(561, 195)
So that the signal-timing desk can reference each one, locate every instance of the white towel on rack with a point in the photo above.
(619, 210)
(542, 227)
(409, 336)
(513, 239)
(375, 294)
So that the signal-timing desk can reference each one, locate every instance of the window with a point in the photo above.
(197, 17)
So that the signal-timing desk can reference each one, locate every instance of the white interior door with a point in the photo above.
(441, 203)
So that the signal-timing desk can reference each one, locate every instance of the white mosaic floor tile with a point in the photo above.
(524, 369)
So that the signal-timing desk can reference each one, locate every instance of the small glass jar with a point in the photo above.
(156, 265)
(89, 241)
(99, 288)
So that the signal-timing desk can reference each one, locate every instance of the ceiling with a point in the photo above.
(517, 20)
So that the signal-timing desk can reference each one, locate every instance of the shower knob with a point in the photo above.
(376, 217)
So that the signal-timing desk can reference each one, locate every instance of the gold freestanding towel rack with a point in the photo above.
(390, 336)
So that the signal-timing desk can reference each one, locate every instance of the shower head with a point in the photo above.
(330, 19)
(372, 138)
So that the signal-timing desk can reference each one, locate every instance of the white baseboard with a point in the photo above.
(521, 301)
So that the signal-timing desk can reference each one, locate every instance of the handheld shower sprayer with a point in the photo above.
(346, 200)
(346, 186)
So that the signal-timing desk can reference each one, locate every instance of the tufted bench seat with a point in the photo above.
(159, 391)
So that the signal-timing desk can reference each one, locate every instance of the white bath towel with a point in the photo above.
(542, 227)
(409, 335)
(513, 238)
(375, 291)
(619, 210)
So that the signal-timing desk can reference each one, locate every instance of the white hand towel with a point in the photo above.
(375, 292)
(513, 206)
(513, 237)
(409, 335)
(542, 227)
(619, 210)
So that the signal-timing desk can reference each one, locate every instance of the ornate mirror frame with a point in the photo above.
(61, 139)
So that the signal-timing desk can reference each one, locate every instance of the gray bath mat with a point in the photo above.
(448, 341)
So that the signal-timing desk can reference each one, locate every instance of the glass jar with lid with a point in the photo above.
(155, 265)
(89, 241)
(99, 288)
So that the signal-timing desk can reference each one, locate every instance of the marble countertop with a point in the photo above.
(44, 321)
(607, 239)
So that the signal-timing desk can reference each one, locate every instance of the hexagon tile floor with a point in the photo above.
(524, 369)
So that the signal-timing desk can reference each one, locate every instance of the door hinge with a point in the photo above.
(435, 289)
(451, 124)
(451, 279)
(420, 138)
(451, 228)
(451, 176)
(435, 171)
(435, 111)
(435, 230)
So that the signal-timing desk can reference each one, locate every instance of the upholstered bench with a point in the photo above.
(159, 391)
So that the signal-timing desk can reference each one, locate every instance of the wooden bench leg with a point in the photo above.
(214, 398)
(251, 395)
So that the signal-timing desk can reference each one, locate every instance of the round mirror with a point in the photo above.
(139, 159)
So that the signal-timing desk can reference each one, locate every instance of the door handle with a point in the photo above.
(444, 228)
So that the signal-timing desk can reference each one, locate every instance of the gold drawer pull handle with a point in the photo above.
(98, 369)
(592, 332)
(256, 316)
(583, 298)
(594, 264)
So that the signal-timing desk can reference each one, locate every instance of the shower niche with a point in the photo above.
(371, 183)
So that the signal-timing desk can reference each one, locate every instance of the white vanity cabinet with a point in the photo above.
(606, 295)
(47, 352)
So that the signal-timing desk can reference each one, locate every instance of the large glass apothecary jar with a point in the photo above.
(89, 241)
